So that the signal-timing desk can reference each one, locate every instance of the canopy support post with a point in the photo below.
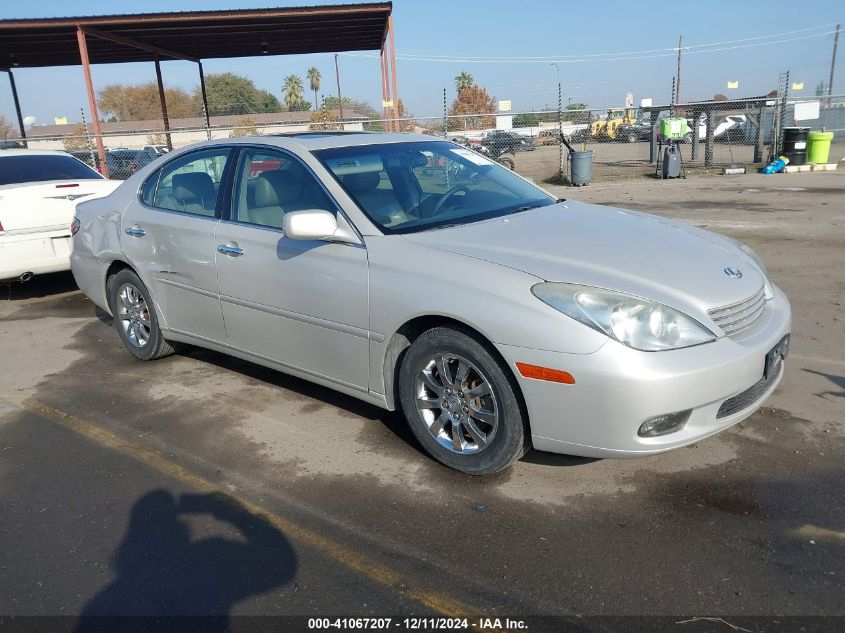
(92, 100)
(163, 105)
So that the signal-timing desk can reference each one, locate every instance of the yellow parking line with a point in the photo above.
(822, 534)
(348, 557)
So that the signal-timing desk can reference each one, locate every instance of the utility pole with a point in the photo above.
(339, 97)
(832, 64)
(678, 79)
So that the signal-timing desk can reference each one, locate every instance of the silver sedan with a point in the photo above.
(416, 274)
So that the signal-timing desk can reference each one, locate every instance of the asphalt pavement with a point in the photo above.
(202, 484)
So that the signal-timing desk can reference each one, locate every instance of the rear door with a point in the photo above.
(168, 237)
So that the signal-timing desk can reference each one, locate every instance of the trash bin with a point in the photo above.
(581, 167)
(795, 144)
(818, 147)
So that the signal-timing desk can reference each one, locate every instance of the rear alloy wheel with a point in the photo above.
(460, 403)
(135, 317)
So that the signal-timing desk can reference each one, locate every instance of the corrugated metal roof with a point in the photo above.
(42, 42)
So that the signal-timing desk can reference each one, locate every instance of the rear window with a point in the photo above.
(41, 167)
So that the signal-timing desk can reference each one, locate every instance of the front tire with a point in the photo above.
(462, 403)
(135, 317)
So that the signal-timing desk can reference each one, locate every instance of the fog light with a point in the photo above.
(663, 424)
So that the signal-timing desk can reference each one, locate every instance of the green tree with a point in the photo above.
(7, 130)
(244, 127)
(229, 93)
(473, 101)
(314, 78)
(141, 102)
(525, 120)
(324, 119)
(77, 140)
(293, 91)
(464, 80)
(577, 112)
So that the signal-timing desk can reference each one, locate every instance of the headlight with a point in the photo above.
(639, 323)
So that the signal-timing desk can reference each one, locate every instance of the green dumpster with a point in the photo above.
(818, 147)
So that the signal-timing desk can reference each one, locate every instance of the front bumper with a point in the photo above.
(617, 388)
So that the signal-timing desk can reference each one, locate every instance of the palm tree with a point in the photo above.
(292, 91)
(314, 79)
(464, 80)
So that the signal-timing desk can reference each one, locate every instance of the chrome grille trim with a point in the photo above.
(741, 315)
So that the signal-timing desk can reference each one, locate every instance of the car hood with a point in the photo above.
(648, 256)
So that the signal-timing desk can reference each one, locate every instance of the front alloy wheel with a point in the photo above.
(456, 403)
(462, 401)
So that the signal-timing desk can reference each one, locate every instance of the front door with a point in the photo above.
(168, 236)
(303, 304)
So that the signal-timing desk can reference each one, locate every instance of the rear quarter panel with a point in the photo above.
(97, 244)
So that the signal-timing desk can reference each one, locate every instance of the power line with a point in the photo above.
(605, 57)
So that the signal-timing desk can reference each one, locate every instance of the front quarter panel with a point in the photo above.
(409, 281)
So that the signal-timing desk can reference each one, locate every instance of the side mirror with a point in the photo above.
(315, 224)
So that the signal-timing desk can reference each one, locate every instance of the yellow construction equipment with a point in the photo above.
(605, 129)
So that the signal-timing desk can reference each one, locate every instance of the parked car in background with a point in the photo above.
(501, 141)
(547, 137)
(494, 315)
(38, 194)
(125, 162)
(731, 128)
(639, 130)
(156, 150)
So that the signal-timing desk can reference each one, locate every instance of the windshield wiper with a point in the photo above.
(527, 207)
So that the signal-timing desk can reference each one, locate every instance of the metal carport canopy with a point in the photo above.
(197, 35)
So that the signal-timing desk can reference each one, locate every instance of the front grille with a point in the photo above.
(739, 316)
(749, 396)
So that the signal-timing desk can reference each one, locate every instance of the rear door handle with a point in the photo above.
(136, 231)
(230, 249)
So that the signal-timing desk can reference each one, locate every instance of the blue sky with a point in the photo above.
(477, 29)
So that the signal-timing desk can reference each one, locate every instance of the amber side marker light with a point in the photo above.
(544, 373)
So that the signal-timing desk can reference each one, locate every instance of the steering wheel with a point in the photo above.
(451, 191)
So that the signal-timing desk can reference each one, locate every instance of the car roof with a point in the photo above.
(33, 152)
(311, 141)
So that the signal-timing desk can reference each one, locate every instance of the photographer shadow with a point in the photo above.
(161, 572)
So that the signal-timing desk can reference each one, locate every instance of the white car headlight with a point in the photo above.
(639, 323)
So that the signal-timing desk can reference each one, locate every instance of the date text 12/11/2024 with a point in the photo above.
(417, 624)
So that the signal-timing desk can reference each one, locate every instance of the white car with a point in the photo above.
(38, 194)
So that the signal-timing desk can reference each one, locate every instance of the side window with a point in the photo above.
(270, 184)
(149, 191)
(190, 183)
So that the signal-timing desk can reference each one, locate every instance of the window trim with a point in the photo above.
(218, 204)
(234, 189)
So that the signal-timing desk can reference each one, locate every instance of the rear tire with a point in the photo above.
(462, 403)
(135, 318)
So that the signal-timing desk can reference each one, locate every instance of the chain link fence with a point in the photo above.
(625, 141)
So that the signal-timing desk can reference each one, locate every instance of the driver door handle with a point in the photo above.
(230, 249)
(135, 231)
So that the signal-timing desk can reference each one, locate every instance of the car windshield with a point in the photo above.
(416, 186)
(43, 167)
